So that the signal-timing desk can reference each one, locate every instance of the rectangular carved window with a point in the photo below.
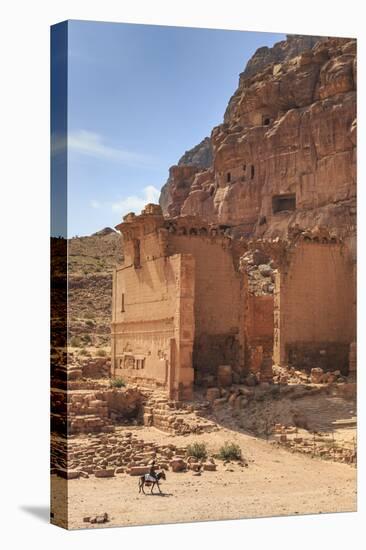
(284, 203)
(140, 363)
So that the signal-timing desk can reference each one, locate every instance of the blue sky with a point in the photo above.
(139, 96)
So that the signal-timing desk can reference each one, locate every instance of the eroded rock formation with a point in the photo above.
(177, 187)
(285, 154)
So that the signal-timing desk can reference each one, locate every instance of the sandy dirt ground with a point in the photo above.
(275, 483)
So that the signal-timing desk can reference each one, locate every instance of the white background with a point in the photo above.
(24, 202)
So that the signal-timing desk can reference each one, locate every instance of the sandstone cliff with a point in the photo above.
(282, 51)
(285, 154)
(177, 187)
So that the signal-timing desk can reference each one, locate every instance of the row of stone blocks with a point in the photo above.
(157, 413)
(89, 423)
(86, 414)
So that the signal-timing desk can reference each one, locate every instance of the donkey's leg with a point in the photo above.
(152, 487)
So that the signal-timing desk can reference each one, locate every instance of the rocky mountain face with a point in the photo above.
(90, 264)
(177, 187)
(285, 155)
(282, 51)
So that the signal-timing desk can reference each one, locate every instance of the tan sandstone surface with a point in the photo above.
(275, 483)
(286, 151)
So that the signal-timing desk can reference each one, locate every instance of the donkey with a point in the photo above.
(149, 480)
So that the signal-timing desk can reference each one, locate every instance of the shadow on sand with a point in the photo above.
(323, 408)
(158, 494)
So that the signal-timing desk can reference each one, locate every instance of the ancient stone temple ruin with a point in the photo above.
(190, 306)
(177, 302)
(251, 260)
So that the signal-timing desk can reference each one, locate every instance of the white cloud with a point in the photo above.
(135, 203)
(91, 144)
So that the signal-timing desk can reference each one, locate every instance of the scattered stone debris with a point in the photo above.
(102, 518)
(175, 417)
(289, 411)
(261, 272)
(316, 444)
(317, 375)
(123, 452)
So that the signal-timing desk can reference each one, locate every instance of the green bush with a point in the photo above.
(90, 323)
(229, 451)
(198, 450)
(101, 352)
(83, 351)
(117, 383)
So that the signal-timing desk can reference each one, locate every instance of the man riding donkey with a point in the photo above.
(152, 472)
(151, 478)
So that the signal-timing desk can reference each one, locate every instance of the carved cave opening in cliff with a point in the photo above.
(284, 203)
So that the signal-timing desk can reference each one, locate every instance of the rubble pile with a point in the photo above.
(105, 455)
(177, 418)
(317, 444)
(283, 375)
(261, 272)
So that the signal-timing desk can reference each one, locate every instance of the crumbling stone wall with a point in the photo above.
(96, 367)
(177, 303)
(147, 336)
(259, 327)
(187, 302)
(314, 313)
(122, 404)
(218, 303)
(153, 293)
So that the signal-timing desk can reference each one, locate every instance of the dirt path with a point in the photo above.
(275, 483)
